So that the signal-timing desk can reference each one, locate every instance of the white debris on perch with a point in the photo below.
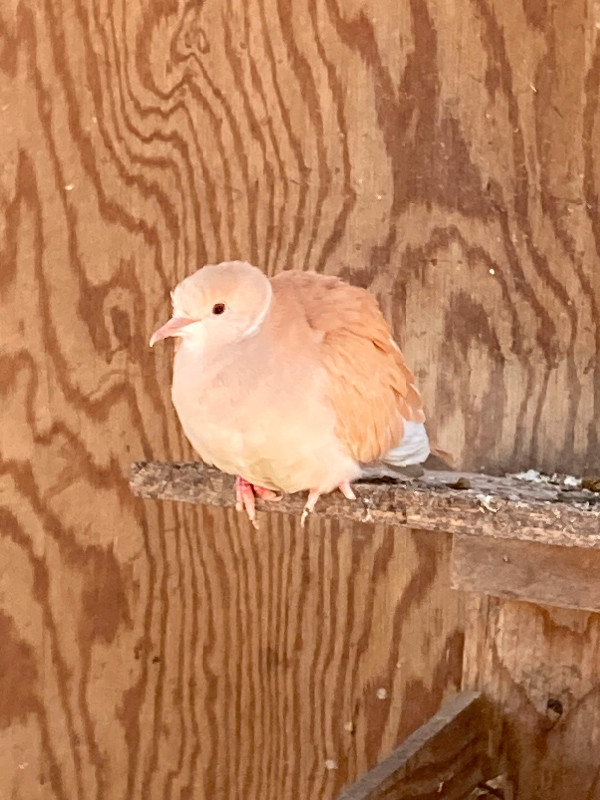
(486, 502)
(534, 476)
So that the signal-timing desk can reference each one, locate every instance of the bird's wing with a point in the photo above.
(370, 387)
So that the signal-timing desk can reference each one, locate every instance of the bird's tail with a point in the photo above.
(410, 458)
(413, 449)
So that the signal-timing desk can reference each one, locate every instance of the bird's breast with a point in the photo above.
(272, 426)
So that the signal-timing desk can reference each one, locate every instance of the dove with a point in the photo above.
(290, 383)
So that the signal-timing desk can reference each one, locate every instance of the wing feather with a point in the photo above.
(370, 386)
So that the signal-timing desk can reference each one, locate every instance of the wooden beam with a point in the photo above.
(443, 759)
(566, 577)
(502, 507)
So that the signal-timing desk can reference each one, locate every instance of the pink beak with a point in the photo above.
(170, 328)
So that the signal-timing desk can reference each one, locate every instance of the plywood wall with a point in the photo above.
(200, 659)
(444, 154)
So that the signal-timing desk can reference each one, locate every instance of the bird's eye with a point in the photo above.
(218, 308)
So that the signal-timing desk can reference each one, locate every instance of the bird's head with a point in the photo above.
(220, 304)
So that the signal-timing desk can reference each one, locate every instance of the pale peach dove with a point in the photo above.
(290, 383)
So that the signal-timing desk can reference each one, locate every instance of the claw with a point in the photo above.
(244, 499)
(314, 495)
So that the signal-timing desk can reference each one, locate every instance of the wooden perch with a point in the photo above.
(442, 760)
(503, 507)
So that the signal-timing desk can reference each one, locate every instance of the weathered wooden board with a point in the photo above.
(539, 667)
(566, 577)
(493, 507)
(443, 760)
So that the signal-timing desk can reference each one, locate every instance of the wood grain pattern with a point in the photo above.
(504, 508)
(539, 667)
(226, 662)
(443, 760)
(566, 577)
(411, 147)
(446, 155)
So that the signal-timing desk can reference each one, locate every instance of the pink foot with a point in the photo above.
(245, 493)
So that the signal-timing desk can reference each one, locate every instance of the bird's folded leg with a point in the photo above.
(346, 490)
(245, 493)
(314, 495)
